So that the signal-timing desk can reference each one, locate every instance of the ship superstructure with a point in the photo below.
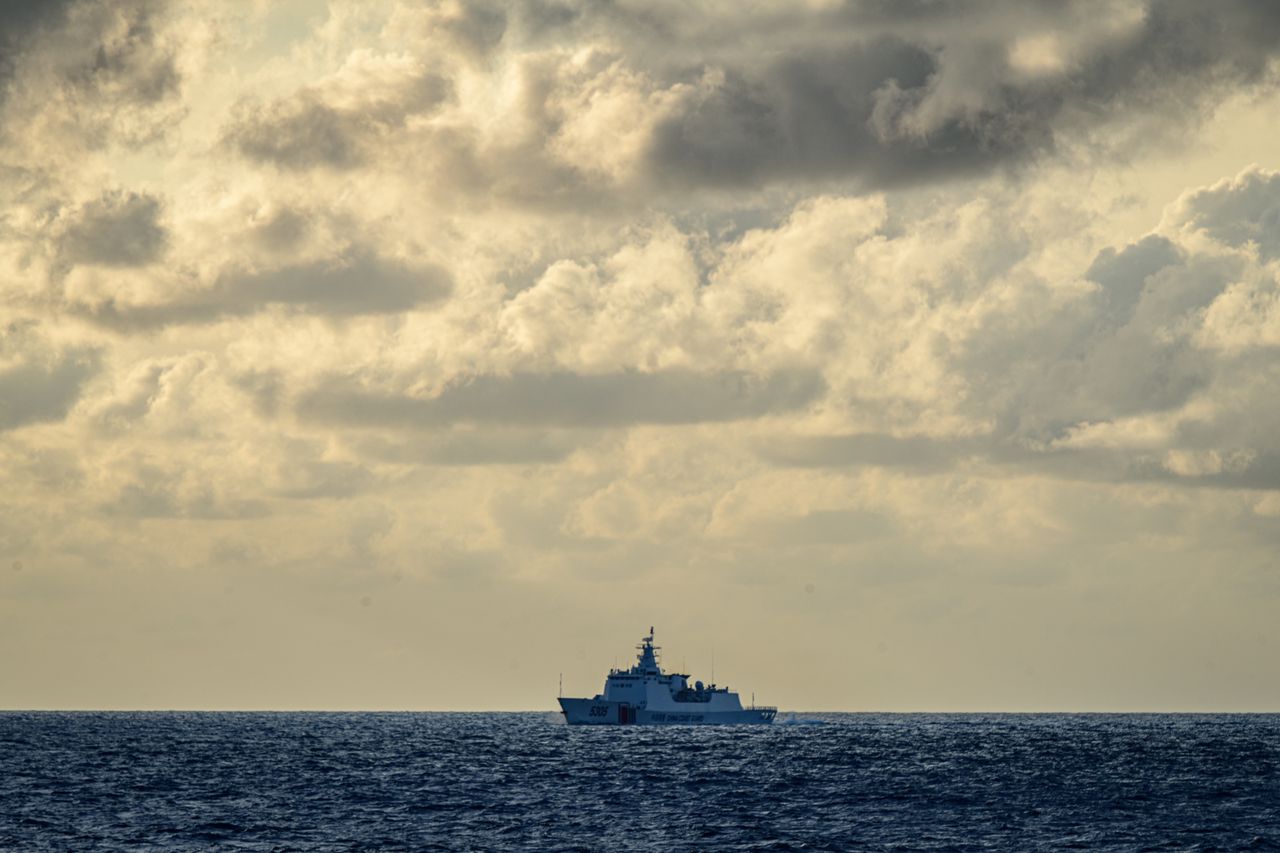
(645, 695)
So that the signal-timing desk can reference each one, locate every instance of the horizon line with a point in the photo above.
(981, 712)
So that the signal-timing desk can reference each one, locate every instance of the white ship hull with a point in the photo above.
(593, 712)
(646, 696)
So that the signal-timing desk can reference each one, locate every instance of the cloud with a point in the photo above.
(310, 479)
(85, 75)
(1072, 459)
(150, 491)
(915, 100)
(469, 446)
(18, 23)
(337, 122)
(1237, 212)
(571, 400)
(1127, 347)
(638, 308)
(474, 27)
(39, 382)
(174, 398)
(1174, 464)
(353, 283)
(1156, 361)
(868, 94)
(476, 298)
(298, 135)
(813, 116)
(920, 453)
(570, 106)
(128, 59)
(828, 527)
(1123, 274)
(265, 389)
(117, 229)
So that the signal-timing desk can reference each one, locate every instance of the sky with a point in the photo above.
(898, 356)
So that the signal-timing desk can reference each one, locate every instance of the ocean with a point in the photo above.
(90, 781)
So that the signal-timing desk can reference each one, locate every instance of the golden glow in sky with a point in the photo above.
(407, 355)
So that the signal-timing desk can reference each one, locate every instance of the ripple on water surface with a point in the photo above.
(296, 781)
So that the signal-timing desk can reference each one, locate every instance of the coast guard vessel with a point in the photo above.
(645, 695)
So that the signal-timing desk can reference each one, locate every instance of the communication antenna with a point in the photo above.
(713, 664)
(561, 693)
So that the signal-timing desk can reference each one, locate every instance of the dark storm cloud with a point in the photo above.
(91, 49)
(37, 383)
(359, 282)
(87, 73)
(19, 22)
(918, 101)
(814, 116)
(118, 229)
(571, 400)
(871, 94)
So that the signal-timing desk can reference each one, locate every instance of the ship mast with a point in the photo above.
(647, 659)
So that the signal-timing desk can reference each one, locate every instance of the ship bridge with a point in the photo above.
(647, 660)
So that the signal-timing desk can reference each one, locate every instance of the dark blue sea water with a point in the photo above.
(360, 781)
